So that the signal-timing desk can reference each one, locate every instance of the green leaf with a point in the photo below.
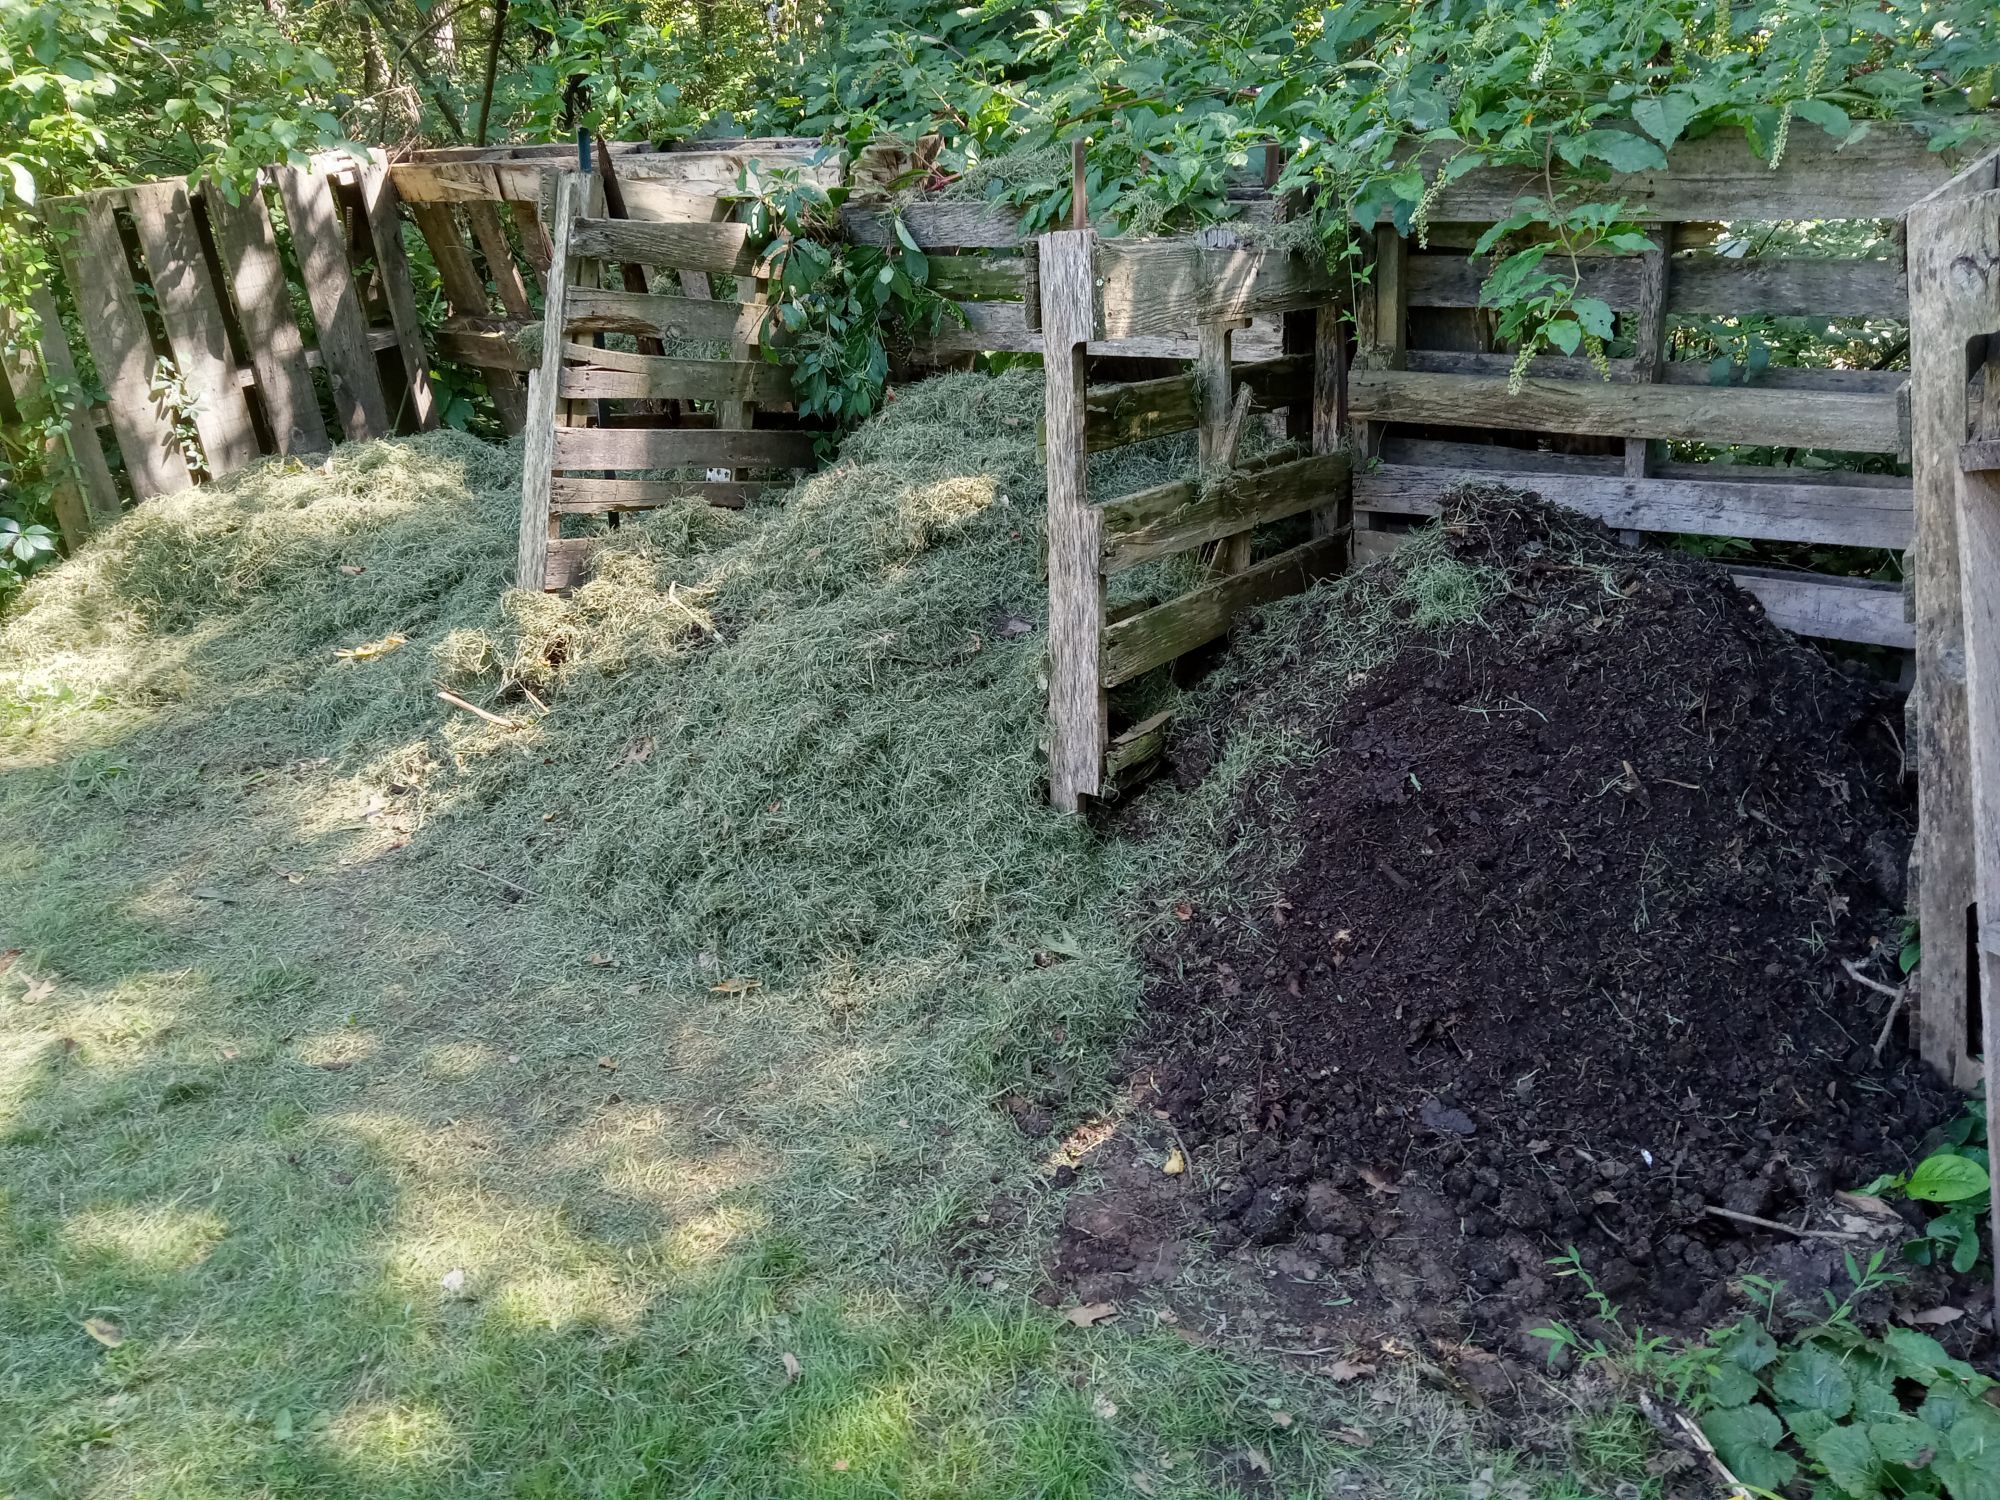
(1750, 1346)
(1947, 1178)
(1664, 118)
(1731, 1385)
(1908, 1441)
(1829, 117)
(1918, 1356)
(1564, 334)
(1849, 1460)
(1812, 1378)
(24, 182)
(1746, 1438)
(1594, 315)
(1622, 152)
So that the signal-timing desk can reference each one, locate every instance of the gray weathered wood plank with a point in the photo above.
(416, 403)
(97, 490)
(1172, 518)
(1836, 515)
(604, 310)
(1133, 411)
(249, 249)
(1701, 284)
(1078, 712)
(345, 349)
(1170, 630)
(191, 310)
(613, 375)
(578, 494)
(465, 291)
(538, 521)
(719, 249)
(94, 263)
(1800, 419)
(678, 447)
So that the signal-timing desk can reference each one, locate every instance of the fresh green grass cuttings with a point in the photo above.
(414, 1106)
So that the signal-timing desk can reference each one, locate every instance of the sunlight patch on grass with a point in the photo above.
(151, 1240)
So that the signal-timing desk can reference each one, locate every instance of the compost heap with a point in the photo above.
(1533, 937)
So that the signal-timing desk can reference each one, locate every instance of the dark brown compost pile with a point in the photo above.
(1539, 942)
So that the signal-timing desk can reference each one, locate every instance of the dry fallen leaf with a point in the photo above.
(736, 986)
(1255, 1457)
(601, 961)
(452, 1283)
(1091, 1313)
(1378, 1182)
(369, 650)
(1105, 1408)
(1281, 1420)
(1348, 1369)
(1175, 1163)
(1935, 1317)
(791, 1366)
(609, 1064)
(1352, 1437)
(7, 959)
(1183, 911)
(106, 1332)
(637, 753)
(1142, 1481)
(352, 570)
(840, 1466)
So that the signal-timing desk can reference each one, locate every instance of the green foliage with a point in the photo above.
(1955, 1176)
(1785, 1392)
(602, 66)
(22, 550)
(836, 302)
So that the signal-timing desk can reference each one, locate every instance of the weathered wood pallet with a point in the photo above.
(585, 458)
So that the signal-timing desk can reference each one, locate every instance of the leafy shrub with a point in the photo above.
(1956, 1176)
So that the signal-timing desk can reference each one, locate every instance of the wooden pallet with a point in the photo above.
(604, 423)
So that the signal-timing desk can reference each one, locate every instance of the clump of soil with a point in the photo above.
(1545, 946)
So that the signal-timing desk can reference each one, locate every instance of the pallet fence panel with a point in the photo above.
(79, 447)
(465, 293)
(249, 249)
(94, 262)
(539, 524)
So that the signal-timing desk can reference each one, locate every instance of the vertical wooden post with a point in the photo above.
(1945, 308)
(1078, 714)
(1384, 340)
(249, 247)
(417, 402)
(1215, 388)
(1649, 343)
(538, 522)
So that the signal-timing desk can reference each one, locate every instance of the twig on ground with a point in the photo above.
(501, 880)
(477, 712)
(1782, 1228)
(529, 695)
(1894, 992)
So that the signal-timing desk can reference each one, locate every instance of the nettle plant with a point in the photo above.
(837, 304)
(1788, 1393)
(1957, 1178)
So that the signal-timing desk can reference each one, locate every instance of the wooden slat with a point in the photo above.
(568, 563)
(1857, 424)
(320, 244)
(21, 374)
(661, 203)
(415, 403)
(1003, 326)
(1706, 284)
(534, 240)
(1173, 518)
(192, 313)
(723, 249)
(603, 310)
(1079, 722)
(447, 182)
(80, 446)
(1672, 372)
(1837, 515)
(1153, 287)
(1115, 415)
(1493, 457)
(940, 225)
(1135, 753)
(1878, 176)
(499, 256)
(1836, 609)
(611, 375)
(249, 248)
(94, 262)
(979, 278)
(674, 448)
(1173, 629)
(531, 559)
(568, 494)
(495, 354)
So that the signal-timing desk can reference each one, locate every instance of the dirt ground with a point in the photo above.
(1538, 946)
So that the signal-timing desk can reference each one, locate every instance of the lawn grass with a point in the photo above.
(416, 1107)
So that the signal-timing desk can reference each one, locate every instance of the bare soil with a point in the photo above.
(1549, 956)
